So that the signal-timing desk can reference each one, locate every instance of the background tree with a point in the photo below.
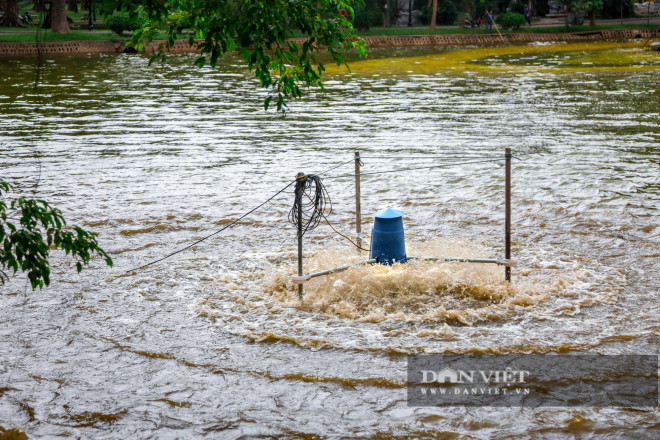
(59, 22)
(592, 6)
(73, 6)
(434, 11)
(517, 6)
(39, 5)
(367, 14)
(261, 31)
(11, 17)
(56, 19)
(617, 8)
(29, 229)
(446, 12)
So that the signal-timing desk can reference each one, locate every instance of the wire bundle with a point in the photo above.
(312, 201)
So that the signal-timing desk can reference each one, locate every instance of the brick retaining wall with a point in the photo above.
(64, 48)
(181, 46)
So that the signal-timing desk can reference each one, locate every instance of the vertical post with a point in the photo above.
(358, 207)
(90, 19)
(299, 193)
(507, 213)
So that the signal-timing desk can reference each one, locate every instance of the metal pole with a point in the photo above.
(358, 207)
(299, 194)
(409, 12)
(90, 20)
(507, 213)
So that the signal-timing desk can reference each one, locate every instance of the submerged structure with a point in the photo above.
(387, 238)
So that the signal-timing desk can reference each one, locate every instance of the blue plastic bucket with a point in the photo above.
(387, 240)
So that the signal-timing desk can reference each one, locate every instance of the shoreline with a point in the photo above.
(440, 40)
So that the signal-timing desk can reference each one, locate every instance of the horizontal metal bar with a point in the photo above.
(340, 268)
(301, 279)
(501, 262)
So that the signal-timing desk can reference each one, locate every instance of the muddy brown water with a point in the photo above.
(212, 343)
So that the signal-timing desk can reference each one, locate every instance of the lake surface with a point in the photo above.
(213, 341)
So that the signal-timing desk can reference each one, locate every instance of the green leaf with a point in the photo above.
(262, 32)
(26, 245)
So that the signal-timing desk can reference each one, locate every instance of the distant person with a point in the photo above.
(527, 14)
(489, 21)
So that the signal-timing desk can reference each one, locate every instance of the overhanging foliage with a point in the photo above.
(29, 229)
(261, 30)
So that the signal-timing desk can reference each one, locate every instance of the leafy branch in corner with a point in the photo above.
(262, 31)
(29, 229)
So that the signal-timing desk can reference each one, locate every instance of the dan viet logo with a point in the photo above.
(448, 375)
(473, 382)
(531, 380)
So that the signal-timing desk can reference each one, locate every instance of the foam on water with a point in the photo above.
(415, 291)
(403, 306)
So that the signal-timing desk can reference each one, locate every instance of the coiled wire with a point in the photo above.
(312, 201)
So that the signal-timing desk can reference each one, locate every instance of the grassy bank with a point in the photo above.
(424, 30)
(29, 35)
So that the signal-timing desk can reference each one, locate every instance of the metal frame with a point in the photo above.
(507, 262)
